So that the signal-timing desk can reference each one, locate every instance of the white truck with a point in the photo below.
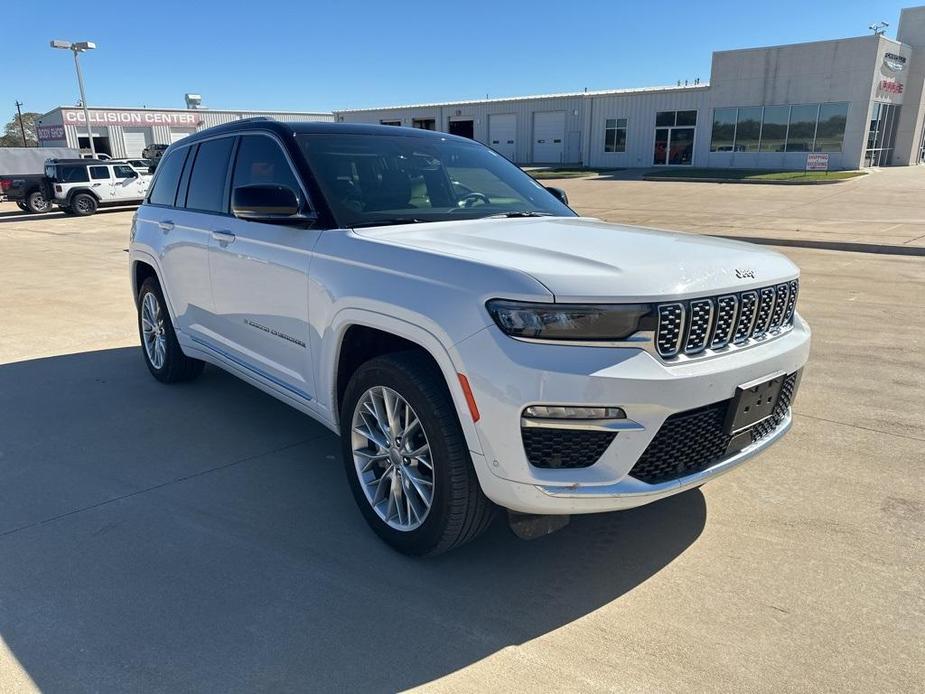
(474, 342)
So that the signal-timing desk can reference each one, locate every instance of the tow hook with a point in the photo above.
(528, 526)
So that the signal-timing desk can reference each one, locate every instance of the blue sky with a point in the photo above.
(330, 55)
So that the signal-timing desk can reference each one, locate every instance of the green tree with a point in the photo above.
(12, 135)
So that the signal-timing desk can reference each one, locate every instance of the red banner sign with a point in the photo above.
(132, 118)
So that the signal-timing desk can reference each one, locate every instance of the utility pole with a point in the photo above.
(22, 128)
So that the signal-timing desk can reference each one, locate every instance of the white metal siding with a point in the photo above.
(502, 134)
(177, 134)
(135, 140)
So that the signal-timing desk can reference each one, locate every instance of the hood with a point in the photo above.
(581, 259)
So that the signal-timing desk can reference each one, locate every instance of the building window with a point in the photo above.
(800, 128)
(424, 123)
(674, 138)
(390, 122)
(801, 135)
(724, 130)
(615, 135)
(830, 132)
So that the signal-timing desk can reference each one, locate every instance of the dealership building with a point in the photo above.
(855, 102)
(125, 132)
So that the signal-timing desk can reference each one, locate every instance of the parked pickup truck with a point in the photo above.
(476, 344)
(22, 170)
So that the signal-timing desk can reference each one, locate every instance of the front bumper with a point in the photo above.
(508, 375)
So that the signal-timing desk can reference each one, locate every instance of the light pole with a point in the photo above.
(75, 48)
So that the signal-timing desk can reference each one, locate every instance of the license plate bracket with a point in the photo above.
(753, 403)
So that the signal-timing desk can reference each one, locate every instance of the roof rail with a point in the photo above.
(251, 119)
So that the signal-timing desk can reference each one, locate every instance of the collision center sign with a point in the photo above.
(131, 118)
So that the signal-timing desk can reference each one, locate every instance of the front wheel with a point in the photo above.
(21, 205)
(83, 204)
(406, 457)
(162, 353)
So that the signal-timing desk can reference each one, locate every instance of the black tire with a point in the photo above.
(36, 202)
(21, 205)
(66, 209)
(459, 512)
(177, 366)
(83, 204)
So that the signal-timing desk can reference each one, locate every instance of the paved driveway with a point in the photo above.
(201, 537)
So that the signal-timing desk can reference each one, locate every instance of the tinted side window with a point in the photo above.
(164, 191)
(99, 172)
(124, 171)
(73, 174)
(260, 161)
(207, 181)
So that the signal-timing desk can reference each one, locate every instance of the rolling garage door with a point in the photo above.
(135, 141)
(501, 134)
(179, 134)
(548, 137)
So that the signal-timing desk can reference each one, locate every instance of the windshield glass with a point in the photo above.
(393, 179)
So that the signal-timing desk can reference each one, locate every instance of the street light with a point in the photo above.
(75, 48)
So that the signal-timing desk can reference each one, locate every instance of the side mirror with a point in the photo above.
(267, 203)
(558, 194)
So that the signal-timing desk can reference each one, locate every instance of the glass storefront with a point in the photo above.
(881, 137)
(674, 138)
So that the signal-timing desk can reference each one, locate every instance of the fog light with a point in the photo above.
(567, 412)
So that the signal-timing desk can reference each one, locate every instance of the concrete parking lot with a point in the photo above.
(201, 537)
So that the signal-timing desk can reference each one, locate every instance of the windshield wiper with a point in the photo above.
(512, 215)
(389, 222)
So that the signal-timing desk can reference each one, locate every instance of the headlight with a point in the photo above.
(602, 322)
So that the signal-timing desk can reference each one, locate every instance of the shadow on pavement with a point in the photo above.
(18, 216)
(202, 536)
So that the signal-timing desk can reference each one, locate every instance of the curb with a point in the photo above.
(883, 249)
(758, 182)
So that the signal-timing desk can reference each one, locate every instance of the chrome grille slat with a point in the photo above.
(699, 325)
(765, 307)
(726, 309)
(782, 292)
(716, 322)
(670, 329)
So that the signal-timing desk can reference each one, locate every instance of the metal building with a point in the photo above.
(856, 102)
(125, 132)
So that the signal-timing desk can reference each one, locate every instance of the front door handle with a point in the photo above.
(223, 237)
(166, 226)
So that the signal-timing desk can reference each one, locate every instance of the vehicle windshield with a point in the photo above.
(371, 180)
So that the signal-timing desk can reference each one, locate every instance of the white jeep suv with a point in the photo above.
(81, 186)
(474, 342)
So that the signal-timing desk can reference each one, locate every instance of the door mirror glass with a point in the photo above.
(271, 204)
(558, 194)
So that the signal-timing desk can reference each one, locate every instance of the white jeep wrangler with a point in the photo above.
(81, 186)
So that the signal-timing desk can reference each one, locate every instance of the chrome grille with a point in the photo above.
(700, 318)
(712, 323)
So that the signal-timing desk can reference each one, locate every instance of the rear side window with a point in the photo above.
(123, 171)
(207, 181)
(99, 172)
(164, 191)
(260, 161)
(72, 174)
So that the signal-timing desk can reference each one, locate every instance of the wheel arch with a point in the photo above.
(357, 335)
(74, 191)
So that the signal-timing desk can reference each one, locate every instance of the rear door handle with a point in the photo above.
(166, 226)
(223, 237)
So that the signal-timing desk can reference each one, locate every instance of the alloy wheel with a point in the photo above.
(392, 458)
(153, 330)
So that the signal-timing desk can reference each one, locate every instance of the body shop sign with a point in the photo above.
(132, 118)
(48, 133)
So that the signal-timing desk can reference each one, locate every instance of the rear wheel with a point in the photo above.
(83, 204)
(162, 353)
(21, 205)
(406, 458)
(36, 202)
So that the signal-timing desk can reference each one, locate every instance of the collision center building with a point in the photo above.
(125, 132)
(857, 100)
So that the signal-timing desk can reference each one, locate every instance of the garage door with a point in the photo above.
(135, 141)
(501, 134)
(548, 137)
(179, 134)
